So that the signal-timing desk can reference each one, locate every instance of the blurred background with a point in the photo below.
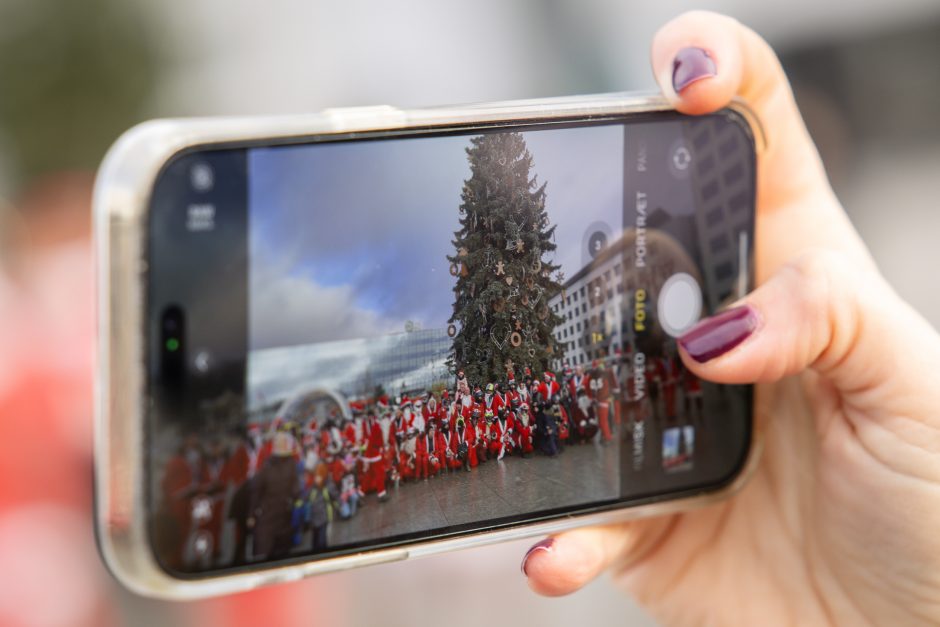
(74, 75)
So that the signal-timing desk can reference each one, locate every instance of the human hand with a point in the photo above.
(839, 522)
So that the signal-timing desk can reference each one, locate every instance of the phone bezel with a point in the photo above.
(121, 207)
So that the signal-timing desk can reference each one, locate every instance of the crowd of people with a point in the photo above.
(284, 483)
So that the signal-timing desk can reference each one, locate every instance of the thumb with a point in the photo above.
(821, 312)
(703, 60)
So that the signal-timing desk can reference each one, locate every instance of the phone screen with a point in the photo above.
(380, 339)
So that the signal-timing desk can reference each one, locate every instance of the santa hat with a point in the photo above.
(253, 428)
(444, 395)
(549, 376)
(418, 402)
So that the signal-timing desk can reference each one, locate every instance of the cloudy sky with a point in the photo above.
(348, 240)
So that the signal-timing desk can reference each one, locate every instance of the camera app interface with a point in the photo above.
(368, 342)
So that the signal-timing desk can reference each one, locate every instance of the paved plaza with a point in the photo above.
(581, 474)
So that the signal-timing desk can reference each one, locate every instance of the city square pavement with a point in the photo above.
(581, 474)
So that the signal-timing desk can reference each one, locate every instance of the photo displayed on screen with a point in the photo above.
(451, 332)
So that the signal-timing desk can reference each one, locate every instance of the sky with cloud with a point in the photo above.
(349, 240)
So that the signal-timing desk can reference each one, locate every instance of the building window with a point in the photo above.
(584, 308)
(582, 291)
(578, 327)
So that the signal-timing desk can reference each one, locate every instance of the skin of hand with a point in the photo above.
(840, 523)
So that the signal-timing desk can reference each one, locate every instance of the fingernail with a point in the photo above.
(691, 65)
(720, 333)
(544, 545)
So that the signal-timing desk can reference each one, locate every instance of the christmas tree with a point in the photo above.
(501, 316)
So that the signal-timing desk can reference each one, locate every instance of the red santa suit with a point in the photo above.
(549, 388)
(424, 448)
(373, 479)
(181, 483)
(494, 402)
(577, 382)
(522, 426)
(465, 435)
(406, 450)
(501, 434)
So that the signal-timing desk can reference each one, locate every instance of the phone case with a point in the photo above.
(121, 202)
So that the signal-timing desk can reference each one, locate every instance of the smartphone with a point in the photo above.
(372, 334)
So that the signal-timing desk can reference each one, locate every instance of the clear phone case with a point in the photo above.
(121, 200)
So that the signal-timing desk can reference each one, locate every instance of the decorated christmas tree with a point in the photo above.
(501, 318)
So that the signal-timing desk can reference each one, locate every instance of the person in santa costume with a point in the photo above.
(549, 388)
(449, 458)
(505, 429)
(584, 417)
(183, 477)
(406, 454)
(493, 435)
(599, 387)
(373, 460)
(521, 419)
(480, 435)
(427, 463)
(492, 401)
(462, 395)
(463, 443)
(577, 382)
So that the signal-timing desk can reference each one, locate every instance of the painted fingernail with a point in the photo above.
(691, 65)
(720, 333)
(544, 545)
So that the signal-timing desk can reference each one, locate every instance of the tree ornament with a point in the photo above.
(543, 312)
(516, 340)
(462, 251)
(508, 280)
(525, 300)
(451, 330)
(532, 353)
(500, 268)
(499, 305)
(520, 246)
(500, 343)
(537, 264)
(518, 325)
(454, 269)
(530, 283)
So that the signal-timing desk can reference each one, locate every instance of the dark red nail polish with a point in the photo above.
(720, 333)
(690, 65)
(544, 545)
